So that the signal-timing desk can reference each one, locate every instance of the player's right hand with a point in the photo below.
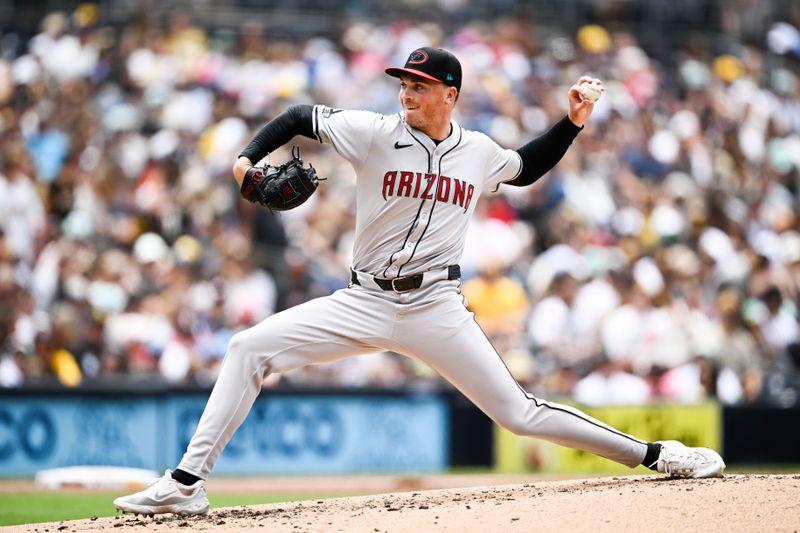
(579, 109)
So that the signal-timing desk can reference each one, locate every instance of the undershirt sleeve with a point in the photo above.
(296, 120)
(541, 154)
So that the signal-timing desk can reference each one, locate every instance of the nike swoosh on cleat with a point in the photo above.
(399, 146)
(163, 496)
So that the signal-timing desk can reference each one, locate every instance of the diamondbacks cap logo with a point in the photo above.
(417, 57)
(431, 63)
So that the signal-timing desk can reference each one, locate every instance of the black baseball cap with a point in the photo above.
(431, 63)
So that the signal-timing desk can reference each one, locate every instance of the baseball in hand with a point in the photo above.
(590, 91)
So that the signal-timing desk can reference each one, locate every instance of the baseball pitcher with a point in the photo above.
(419, 176)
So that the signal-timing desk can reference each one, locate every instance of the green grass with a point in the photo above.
(33, 507)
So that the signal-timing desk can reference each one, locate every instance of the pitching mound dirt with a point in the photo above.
(637, 503)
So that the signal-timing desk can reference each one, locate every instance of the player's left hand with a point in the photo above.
(580, 109)
(280, 188)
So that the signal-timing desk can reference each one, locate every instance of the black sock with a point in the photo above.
(184, 478)
(651, 457)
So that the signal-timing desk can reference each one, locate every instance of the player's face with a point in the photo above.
(426, 104)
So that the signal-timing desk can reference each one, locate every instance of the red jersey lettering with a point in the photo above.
(388, 183)
(460, 189)
(427, 194)
(404, 188)
(470, 190)
(444, 189)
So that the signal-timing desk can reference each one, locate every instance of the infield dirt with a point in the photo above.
(634, 503)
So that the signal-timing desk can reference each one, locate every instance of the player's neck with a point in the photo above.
(440, 132)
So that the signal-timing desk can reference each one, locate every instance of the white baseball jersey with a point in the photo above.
(415, 198)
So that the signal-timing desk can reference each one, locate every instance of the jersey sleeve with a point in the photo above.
(504, 165)
(350, 132)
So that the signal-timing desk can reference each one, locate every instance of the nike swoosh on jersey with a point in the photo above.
(328, 111)
(399, 146)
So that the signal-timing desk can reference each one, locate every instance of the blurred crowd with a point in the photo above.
(660, 260)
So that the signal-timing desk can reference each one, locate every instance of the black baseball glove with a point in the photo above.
(280, 188)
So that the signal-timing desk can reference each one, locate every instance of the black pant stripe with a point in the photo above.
(544, 403)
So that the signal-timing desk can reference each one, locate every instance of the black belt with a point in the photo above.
(405, 283)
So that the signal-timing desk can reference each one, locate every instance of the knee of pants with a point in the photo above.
(516, 423)
(245, 348)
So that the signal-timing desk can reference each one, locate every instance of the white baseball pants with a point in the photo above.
(430, 324)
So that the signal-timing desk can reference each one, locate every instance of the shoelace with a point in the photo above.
(684, 461)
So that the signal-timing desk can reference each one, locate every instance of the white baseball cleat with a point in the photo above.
(165, 495)
(677, 459)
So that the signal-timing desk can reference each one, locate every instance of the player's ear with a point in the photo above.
(451, 95)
